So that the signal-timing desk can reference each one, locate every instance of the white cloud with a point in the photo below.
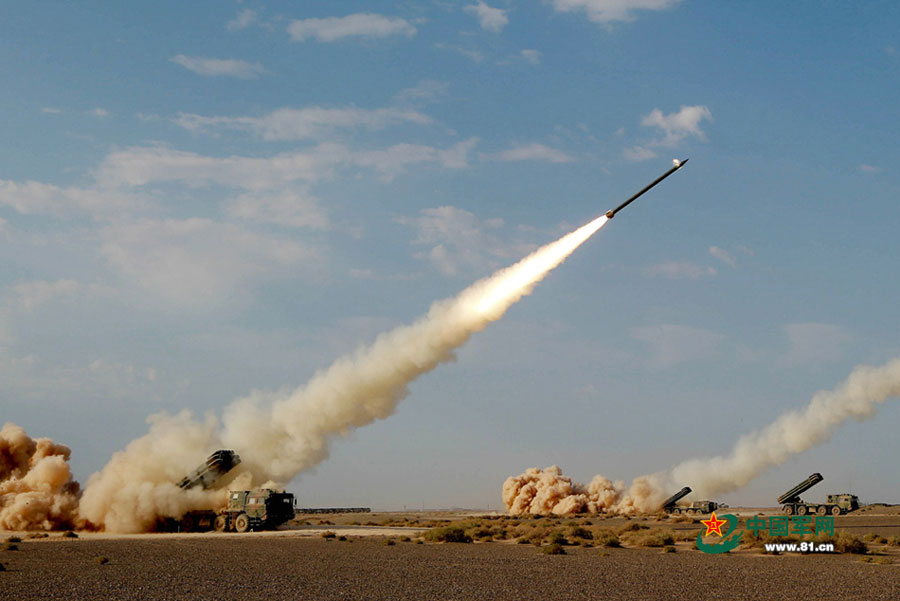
(143, 165)
(51, 111)
(458, 241)
(473, 55)
(197, 262)
(532, 56)
(673, 344)
(723, 255)
(287, 208)
(35, 198)
(491, 19)
(243, 20)
(33, 294)
(427, 89)
(638, 153)
(680, 270)
(869, 168)
(217, 67)
(532, 152)
(365, 25)
(306, 123)
(606, 11)
(815, 343)
(677, 126)
(100, 112)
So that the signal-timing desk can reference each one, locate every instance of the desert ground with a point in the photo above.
(384, 556)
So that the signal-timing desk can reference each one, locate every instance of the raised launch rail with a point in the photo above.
(793, 495)
(217, 465)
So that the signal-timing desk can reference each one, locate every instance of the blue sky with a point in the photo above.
(198, 201)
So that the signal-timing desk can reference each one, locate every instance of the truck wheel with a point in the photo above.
(788, 510)
(835, 510)
(221, 523)
(187, 524)
(676, 512)
(801, 510)
(242, 523)
(821, 510)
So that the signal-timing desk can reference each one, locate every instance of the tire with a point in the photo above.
(821, 510)
(788, 510)
(801, 510)
(221, 523)
(187, 524)
(242, 523)
(676, 512)
(835, 510)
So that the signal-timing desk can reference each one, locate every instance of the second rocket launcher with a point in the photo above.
(676, 165)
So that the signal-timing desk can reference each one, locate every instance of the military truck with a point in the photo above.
(835, 504)
(260, 509)
(670, 505)
(696, 508)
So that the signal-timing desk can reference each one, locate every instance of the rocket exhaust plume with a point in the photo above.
(794, 432)
(36, 487)
(278, 436)
(858, 397)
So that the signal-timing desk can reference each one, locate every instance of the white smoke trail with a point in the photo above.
(858, 397)
(279, 436)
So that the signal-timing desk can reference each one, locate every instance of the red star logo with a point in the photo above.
(713, 525)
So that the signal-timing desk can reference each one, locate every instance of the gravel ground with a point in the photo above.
(253, 567)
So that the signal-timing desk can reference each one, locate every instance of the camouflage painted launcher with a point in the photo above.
(217, 465)
(677, 497)
(793, 495)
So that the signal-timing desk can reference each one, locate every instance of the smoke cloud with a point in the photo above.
(280, 435)
(857, 397)
(36, 487)
(548, 491)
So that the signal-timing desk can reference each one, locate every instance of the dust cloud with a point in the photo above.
(36, 487)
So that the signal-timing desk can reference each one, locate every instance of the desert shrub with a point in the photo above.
(342, 538)
(388, 542)
(2, 569)
(608, 539)
(101, 560)
(326, 523)
(69, 534)
(37, 535)
(587, 543)
(328, 534)
(581, 532)
(669, 549)
(845, 542)
(894, 541)
(632, 527)
(14, 539)
(405, 539)
(885, 561)
(681, 519)
(482, 534)
(420, 542)
(651, 538)
(554, 549)
(448, 534)
(557, 538)
(9, 547)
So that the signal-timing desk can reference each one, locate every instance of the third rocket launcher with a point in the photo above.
(676, 165)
